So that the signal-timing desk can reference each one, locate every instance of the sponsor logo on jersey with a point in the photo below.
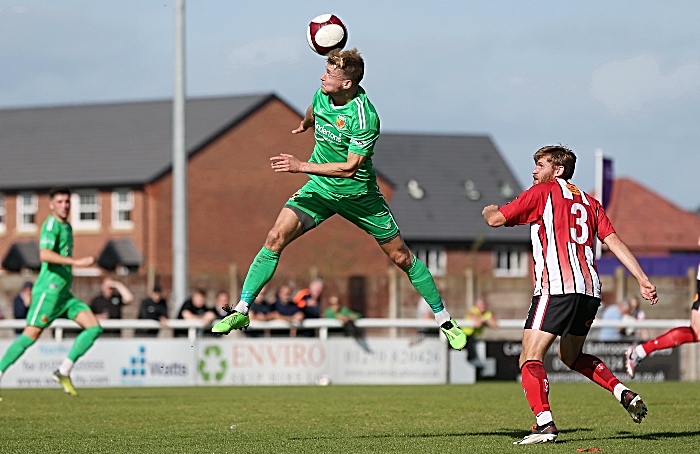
(327, 133)
(574, 190)
(341, 121)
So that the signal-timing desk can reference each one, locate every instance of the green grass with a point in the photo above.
(374, 419)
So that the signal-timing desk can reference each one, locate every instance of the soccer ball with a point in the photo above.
(323, 380)
(325, 33)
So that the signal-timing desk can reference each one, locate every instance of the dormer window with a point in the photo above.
(414, 190)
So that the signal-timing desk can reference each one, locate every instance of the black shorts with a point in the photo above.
(696, 303)
(562, 314)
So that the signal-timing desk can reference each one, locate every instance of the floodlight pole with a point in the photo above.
(180, 282)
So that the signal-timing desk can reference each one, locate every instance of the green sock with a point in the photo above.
(259, 274)
(16, 350)
(423, 281)
(84, 341)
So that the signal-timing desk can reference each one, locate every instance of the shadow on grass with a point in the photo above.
(510, 433)
(655, 435)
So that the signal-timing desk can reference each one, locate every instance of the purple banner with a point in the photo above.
(608, 177)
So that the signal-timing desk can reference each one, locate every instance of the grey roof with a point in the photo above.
(106, 144)
(440, 165)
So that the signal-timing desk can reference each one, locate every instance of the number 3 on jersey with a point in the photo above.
(579, 211)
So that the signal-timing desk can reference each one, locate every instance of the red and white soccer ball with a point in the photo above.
(325, 33)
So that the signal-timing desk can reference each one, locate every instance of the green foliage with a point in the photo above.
(485, 417)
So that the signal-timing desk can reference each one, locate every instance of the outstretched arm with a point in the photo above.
(289, 163)
(646, 288)
(47, 255)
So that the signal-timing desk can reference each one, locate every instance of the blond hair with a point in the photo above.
(350, 62)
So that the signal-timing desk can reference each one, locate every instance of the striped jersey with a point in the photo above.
(564, 222)
(58, 237)
(339, 130)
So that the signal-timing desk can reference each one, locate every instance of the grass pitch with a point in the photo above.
(484, 417)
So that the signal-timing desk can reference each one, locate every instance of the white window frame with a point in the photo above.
(121, 206)
(3, 214)
(510, 262)
(30, 209)
(434, 257)
(77, 209)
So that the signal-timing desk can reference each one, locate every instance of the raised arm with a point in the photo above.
(306, 122)
(617, 247)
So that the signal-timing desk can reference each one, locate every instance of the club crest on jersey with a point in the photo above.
(341, 121)
(574, 190)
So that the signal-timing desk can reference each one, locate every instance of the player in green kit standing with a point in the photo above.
(51, 296)
(342, 181)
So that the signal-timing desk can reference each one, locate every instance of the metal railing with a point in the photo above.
(322, 325)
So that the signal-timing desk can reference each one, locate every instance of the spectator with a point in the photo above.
(222, 304)
(344, 314)
(309, 299)
(480, 317)
(261, 309)
(285, 309)
(155, 307)
(611, 312)
(347, 316)
(633, 312)
(108, 304)
(340, 312)
(195, 309)
(20, 305)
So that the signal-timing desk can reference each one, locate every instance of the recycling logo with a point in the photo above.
(212, 357)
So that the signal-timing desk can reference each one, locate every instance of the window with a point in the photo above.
(85, 209)
(122, 206)
(434, 258)
(3, 220)
(27, 206)
(510, 263)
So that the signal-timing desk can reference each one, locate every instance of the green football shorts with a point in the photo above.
(369, 212)
(50, 304)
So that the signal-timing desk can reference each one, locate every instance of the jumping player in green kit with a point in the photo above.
(51, 296)
(342, 181)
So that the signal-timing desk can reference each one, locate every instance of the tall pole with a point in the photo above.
(180, 274)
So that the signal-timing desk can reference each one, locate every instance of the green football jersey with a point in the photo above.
(353, 128)
(58, 237)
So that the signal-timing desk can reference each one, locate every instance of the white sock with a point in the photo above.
(442, 317)
(544, 418)
(641, 353)
(242, 307)
(617, 391)
(65, 367)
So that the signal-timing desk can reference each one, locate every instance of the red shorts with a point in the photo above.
(562, 314)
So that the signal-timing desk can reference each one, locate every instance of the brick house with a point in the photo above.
(117, 159)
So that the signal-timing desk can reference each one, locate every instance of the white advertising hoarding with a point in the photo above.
(224, 362)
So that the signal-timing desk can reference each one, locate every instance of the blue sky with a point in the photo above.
(623, 76)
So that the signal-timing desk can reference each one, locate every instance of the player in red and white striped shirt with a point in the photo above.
(670, 339)
(564, 222)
